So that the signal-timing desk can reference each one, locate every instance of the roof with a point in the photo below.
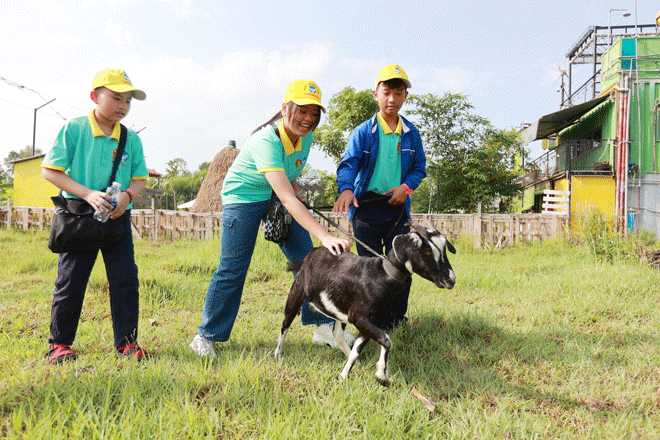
(555, 122)
(24, 159)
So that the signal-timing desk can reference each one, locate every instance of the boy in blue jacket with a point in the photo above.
(384, 157)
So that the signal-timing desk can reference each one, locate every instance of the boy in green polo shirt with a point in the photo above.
(384, 157)
(80, 164)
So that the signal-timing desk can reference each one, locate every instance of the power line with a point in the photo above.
(41, 95)
(16, 104)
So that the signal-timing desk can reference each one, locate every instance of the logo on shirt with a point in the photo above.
(124, 157)
(299, 163)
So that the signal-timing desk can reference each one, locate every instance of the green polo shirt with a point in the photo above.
(387, 172)
(245, 181)
(85, 153)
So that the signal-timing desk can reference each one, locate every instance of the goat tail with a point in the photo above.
(293, 265)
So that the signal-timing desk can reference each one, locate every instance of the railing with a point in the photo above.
(487, 230)
(554, 162)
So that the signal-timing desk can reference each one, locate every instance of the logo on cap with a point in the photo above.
(397, 70)
(312, 90)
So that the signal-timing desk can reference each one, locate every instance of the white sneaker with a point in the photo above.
(202, 346)
(323, 336)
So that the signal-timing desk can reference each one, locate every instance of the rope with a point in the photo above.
(345, 232)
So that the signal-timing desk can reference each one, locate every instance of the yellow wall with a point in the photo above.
(589, 193)
(30, 189)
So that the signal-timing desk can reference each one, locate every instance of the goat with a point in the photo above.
(362, 290)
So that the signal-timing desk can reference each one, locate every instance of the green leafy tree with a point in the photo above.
(329, 194)
(181, 189)
(422, 200)
(6, 190)
(176, 167)
(469, 162)
(346, 110)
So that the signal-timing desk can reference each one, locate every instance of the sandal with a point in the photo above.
(133, 351)
(59, 353)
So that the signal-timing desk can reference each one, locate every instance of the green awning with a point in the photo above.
(557, 121)
(587, 123)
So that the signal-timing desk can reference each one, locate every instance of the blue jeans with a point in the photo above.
(240, 227)
(73, 271)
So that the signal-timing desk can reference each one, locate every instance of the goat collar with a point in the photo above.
(394, 272)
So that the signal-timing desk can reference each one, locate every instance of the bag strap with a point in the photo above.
(120, 152)
(115, 164)
(273, 196)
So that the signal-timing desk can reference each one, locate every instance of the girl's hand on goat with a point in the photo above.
(335, 245)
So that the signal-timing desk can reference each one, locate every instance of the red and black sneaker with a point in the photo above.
(59, 353)
(133, 351)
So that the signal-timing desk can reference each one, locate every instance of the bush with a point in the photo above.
(599, 235)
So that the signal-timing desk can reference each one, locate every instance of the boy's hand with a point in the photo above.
(398, 195)
(345, 200)
(122, 203)
(98, 201)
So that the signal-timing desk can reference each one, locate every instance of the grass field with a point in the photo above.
(537, 341)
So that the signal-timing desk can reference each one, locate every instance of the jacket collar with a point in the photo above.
(405, 125)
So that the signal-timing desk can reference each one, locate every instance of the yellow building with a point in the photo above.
(30, 188)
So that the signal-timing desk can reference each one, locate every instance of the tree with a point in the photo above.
(469, 162)
(329, 194)
(6, 190)
(346, 110)
(176, 167)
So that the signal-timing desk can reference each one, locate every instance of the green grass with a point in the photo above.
(538, 341)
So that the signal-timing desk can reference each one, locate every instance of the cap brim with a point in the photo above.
(303, 101)
(121, 88)
(405, 81)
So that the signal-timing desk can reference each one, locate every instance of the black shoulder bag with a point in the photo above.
(74, 228)
(278, 220)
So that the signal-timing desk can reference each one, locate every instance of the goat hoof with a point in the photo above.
(384, 382)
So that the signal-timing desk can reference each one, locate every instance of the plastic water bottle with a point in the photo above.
(113, 192)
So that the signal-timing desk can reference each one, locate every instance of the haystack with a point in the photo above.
(208, 197)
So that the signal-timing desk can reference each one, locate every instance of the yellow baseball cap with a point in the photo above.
(117, 81)
(303, 92)
(392, 71)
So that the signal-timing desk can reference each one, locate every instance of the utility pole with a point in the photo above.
(34, 125)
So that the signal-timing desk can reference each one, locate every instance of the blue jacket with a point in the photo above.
(357, 167)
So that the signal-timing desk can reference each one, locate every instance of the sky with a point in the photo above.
(215, 70)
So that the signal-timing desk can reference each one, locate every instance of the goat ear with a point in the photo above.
(415, 238)
(450, 247)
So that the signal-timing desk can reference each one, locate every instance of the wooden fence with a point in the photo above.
(487, 230)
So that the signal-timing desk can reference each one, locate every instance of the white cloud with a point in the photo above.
(453, 80)
(115, 33)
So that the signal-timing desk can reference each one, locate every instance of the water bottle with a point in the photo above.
(112, 192)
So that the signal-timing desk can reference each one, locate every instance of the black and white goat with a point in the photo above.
(362, 290)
